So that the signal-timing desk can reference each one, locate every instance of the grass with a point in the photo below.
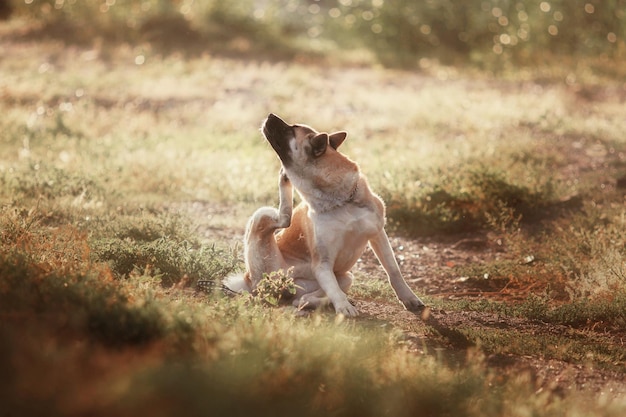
(202, 354)
(124, 166)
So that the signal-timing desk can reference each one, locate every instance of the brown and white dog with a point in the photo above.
(327, 232)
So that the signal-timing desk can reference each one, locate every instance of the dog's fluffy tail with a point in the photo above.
(237, 283)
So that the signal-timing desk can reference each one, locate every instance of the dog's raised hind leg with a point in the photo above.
(261, 252)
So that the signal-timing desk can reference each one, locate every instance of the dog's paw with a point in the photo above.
(284, 179)
(413, 304)
(347, 309)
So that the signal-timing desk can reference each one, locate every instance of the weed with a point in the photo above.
(145, 225)
(604, 313)
(276, 286)
(364, 287)
(607, 312)
(502, 194)
(16, 224)
(572, 347)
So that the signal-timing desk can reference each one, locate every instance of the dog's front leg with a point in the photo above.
(323, 270)
(382, 248)
(285, 207)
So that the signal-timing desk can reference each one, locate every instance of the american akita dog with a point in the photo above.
(322, 239)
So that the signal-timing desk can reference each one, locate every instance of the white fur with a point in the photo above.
(338, 217)
(236, 283)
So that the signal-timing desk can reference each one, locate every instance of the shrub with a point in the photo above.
(488, 33)
(463, 202)
(47, 277)
(168, 259)
(400, 29)
(74, 304)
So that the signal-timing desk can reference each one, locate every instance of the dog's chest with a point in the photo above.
(352, 224)
(344, 233)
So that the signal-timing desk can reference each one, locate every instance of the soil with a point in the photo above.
(427, 264)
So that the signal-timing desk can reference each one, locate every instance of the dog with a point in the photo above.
(323, 237)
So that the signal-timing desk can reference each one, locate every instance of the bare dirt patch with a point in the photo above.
(425, 263)
(439, 334)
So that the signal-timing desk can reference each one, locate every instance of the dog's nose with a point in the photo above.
(273, 118)
(275, 123)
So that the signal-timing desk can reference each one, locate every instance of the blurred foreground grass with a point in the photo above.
(77, 341)
(106, 135)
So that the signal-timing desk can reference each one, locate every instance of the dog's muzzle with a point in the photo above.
(278, 134)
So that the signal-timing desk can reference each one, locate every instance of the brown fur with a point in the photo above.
(321, 240)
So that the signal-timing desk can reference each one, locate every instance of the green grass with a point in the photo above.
(578, 337)
(224, 355)
(570, 348)
(127, 170)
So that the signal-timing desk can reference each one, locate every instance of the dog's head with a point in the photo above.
(322, 176)
(299, 144)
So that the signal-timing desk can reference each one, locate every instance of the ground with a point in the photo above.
(437, 332)
(110, 150)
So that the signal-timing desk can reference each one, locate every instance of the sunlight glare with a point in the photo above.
(334, 12)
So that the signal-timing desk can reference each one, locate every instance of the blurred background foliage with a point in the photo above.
(490, 34)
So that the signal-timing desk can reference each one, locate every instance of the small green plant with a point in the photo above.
(275, 287)
(144, 227)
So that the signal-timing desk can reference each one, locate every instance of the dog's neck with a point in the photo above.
(322, 201)
(355, 189)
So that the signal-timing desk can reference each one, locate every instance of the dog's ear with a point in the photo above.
(319, 143)
(337, 138)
